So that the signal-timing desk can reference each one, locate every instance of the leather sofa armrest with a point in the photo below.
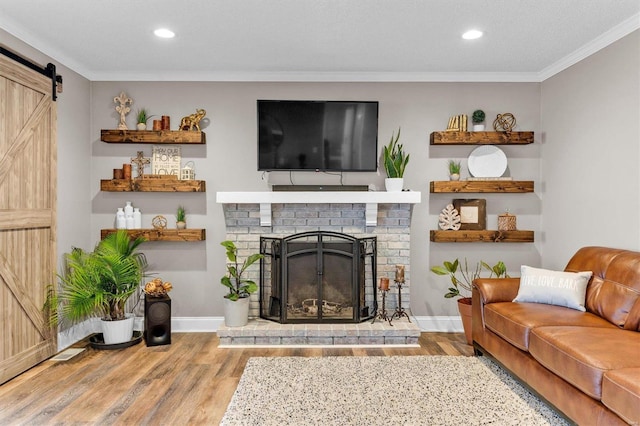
(489, 290)
(492, 290)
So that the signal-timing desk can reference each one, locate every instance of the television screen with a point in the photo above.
(317, 135)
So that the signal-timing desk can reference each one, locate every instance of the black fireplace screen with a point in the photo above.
(317, 277)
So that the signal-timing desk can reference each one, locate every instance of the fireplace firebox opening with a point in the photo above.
(318, 277)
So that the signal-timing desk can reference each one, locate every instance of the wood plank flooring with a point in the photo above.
(189, 382)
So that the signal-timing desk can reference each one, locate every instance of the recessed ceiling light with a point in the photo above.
(164, 33)
(472, 35)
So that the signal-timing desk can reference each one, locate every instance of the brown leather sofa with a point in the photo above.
(585, 364)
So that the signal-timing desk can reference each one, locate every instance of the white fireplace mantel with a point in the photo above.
(371, 199)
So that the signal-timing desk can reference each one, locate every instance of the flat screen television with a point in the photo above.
(317, 135)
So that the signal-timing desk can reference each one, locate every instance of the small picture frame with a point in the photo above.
(473, 213)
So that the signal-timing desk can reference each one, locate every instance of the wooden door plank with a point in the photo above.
(20, 141)
(26, 218)
(23, 297)
(24, 76)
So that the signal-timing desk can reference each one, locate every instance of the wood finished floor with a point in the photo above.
(189, 382)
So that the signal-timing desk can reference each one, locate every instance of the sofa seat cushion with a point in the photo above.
(581, 355)
(621, 393)
(514, 321)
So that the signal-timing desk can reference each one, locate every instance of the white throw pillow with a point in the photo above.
(553, 287)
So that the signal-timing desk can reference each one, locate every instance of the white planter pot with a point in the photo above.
(115, 332)
(394, 184)
(141, 126)
(478, 127)
(236, 313)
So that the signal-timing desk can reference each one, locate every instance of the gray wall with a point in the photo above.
(584, 164)
(228, 163)
(591, 152)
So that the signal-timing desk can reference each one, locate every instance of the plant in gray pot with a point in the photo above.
(236, 302)
(99, 284)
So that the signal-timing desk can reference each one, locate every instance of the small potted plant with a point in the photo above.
(142, 116)
(395, 161)
(454, 170)
(499, 270)
(478, 120)
(236, 302)
(181, 218)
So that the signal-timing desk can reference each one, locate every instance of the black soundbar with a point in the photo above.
(320, 188)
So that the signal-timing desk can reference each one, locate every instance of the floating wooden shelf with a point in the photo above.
(152, 185)
(512, 186)
(481, 138)
(485, 236)
(162, 235)
(153, 136)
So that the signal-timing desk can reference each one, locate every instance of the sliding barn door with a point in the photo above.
(27, 216)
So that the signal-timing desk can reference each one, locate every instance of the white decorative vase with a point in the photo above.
(394, 184)
(236, 313)
(478, 127)
(114, 332)
(141, 126)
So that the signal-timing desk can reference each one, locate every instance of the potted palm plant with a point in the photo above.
(99, 284)
(236, 302)
(461, 288)
(395, 161)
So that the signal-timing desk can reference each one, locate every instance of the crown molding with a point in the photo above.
(315, 77)
(599, 43)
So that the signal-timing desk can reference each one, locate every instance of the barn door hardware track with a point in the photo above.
(48, 71)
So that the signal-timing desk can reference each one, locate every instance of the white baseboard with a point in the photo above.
(196, 324)
(78, 332)
(441, 324)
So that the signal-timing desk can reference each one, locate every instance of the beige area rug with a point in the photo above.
(395, 390)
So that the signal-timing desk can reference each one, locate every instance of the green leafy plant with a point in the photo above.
(181, 214)
(97, 283)
(142, 116)
(478, 116)
(395, 160)
(238, 286)
(454, 167)
(499, 270)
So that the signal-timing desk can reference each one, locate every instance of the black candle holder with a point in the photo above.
(399, 312)
(382, 314)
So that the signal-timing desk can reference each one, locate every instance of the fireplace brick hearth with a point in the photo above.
(243, 226)
(260, 332)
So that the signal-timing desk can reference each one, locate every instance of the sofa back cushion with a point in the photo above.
(614, 290)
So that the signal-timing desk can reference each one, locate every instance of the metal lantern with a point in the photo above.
(188, 171)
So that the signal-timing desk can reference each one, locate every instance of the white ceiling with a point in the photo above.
(319, 40)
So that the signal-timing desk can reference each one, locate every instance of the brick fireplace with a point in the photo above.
(250, 216)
